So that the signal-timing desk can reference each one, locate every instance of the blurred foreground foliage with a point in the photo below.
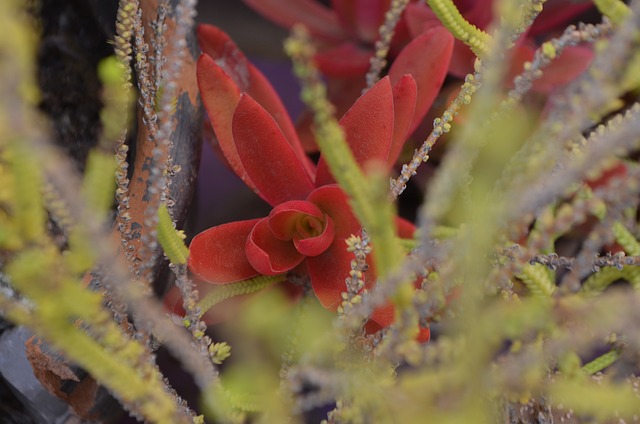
(522, 331)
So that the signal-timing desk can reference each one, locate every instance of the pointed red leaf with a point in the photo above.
(420, 18)
(261, 90)
(462, 60)
(368, 127)
(342, 93)
(227, 56)
(556, 14)
(217, 255)
(220, 96)
(424, 335)
(172, 301)
(345, 12)
(404, 104)
(477, 12)
(384, 315)
(344, 60)
(328, 272)
(572, 62)
(267, 254)
(269, 160)
(369, 15)
(362, 17)
(404, 228)
(320, 21)
(428, 69)
(218, 45)
(569, 65)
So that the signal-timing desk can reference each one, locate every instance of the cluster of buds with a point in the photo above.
(360, 247)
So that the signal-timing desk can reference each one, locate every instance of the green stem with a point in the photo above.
(227, 291)
(626, 239)
(601, 362)
(450, 16)
(615, 10)
(171, 240)
(536, 278)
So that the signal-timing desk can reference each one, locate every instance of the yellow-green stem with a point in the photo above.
(171, 240)
(450, 16)
(615, 10)
(226, 291)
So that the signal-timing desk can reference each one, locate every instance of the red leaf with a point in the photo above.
(429, 70)
(217, 255)
(261, 90)
(333, 201)
(424, 335)
(345, 60)
(328, 272)
(342, 93)
(362, 16)
(420, 18)
(404, 104)
(269, 160)
(384, 315)
(368, 127)
(247, 78)
(220, 96)
(462, 60)
(267, 254)
(320, 21)
(218, 45)
(568, 66)
(563, 69)
(556, 14)
(404, 228)
(172, 301)
(477, 12)
(617, 170)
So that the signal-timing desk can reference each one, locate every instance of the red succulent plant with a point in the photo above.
(311, 218)
(556, 13)
(345, 32)
(345, 35)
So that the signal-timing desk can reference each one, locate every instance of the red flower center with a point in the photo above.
(303, 222)
(292, 231)
(308, 226)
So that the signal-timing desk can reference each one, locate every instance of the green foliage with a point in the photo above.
(60, 303)
(27, 210)
(227, 291)
(117, 97)
(367, 198)
(615, 10)
(504, 210)
(626, 239)
(451, 18)
(537, 279)
(172, 241)
(601, 362)
(56, 305)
